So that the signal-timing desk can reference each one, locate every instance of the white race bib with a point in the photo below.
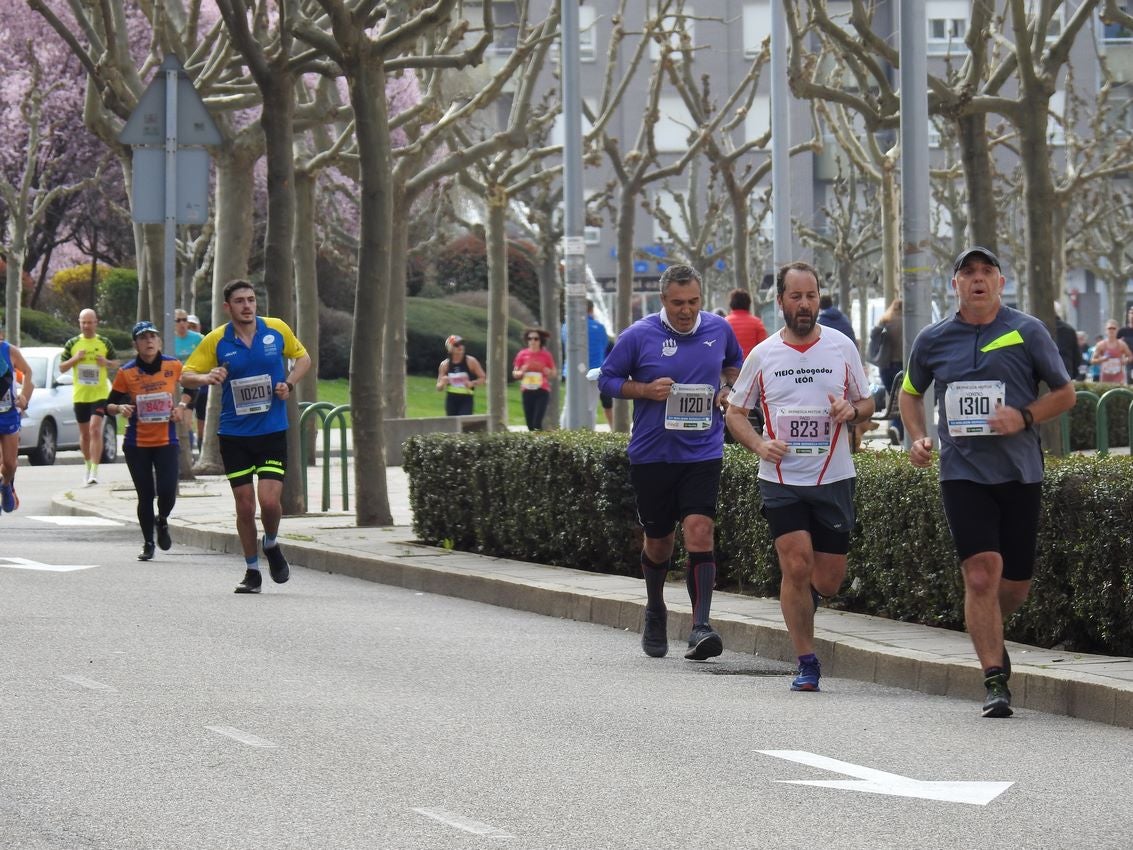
(689, 407)
(251, 395)
(805, 430)
(87, 374)
(969, 404)
(154, 407)
(1112, 366)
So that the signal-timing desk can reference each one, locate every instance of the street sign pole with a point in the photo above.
(170, 264)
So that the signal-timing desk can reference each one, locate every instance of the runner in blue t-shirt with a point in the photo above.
(984, 364)
(247, 358)
(677, 366)
(12, 407)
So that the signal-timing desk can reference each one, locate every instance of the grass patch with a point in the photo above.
(422, 398)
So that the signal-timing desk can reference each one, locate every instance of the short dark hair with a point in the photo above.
(739, 299)
(238, 283)
(825, 302)
(799, 266)
(679, 273)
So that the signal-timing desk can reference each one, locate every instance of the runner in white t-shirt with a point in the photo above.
(809, 382)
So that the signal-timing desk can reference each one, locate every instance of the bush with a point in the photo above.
(463, 267)
(42, 328)
(74, 290)
(335, 330)
(519, 495)
(118, 298)
(1083, 418)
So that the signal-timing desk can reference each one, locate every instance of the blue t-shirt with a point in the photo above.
(597, 341)
(185, 345)
(249, 406)
(1014, 348)
(650, 349)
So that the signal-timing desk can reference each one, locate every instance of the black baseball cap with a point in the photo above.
(971, 252)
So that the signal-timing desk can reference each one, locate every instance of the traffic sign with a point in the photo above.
(146, 124)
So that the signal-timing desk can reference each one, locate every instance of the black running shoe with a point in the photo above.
(655, 636)
(703, 644)
(277, 564)
(251, 583)
(147, 552)
(998, 702)
(164, 541)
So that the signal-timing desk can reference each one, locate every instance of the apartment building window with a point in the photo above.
(587, 38)
(671, 131)
(947, 26)
(757, 25)
(758, 118)
(674, 26)
(1118, 33)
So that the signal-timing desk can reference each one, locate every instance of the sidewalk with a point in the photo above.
(853, 646)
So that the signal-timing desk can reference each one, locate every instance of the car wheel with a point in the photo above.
(109, 440)
(44, 452)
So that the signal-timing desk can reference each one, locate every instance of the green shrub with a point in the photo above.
(118, 298)
(1083, 422)
(43, 328)
(462, 266)
(564, 498)
(429, 321)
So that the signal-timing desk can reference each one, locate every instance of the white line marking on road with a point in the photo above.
(243, 737)
(879, 782)
(25, 564)
(75, 520)
(89, 683)
(467, 824)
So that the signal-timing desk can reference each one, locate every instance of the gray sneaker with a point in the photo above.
(703, 643)
(655, 636)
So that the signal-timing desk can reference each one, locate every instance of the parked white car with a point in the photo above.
(49, 426)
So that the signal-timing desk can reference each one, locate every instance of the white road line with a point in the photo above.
(75, 520)
(89, 683)
(243, 737)
(25, 564)
(460, 822)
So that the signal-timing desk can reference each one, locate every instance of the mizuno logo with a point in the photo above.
(709, 342)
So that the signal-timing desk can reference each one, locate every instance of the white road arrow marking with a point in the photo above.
(241, 736)
(25, 564)
(463, 823)
(873, 781)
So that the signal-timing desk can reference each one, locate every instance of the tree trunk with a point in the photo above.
(1038, 191)
(234, 211)
(891, 257)
(623, 305)
(395, 358)
(13, 283)
(367, 96)
(983, 220)
(550, 311)
(497, 367)
(307, 293)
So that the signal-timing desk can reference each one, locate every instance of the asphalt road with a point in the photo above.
(147, 706)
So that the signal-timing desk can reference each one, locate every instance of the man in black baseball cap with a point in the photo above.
(975, 251)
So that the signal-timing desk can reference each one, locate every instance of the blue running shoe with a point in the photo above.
(807, 679)
(8, 500)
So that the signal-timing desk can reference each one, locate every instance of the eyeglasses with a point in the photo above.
(1111, 327)
(179, 321)
(533, 337)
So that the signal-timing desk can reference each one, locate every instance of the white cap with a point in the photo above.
(192, 319)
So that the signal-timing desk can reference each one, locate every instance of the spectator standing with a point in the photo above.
(985, 363)
(1125, 334)
(832, 317)
(201, 401)
(749, 329)
(811, 385)
(532, 367)
(458, 376)
(185, 342)
(597, 338)
(886, 351)
(677, 366)
(1066, 340)
(1111, 355)
(1083, 356)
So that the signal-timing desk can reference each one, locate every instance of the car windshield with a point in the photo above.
(38, 370)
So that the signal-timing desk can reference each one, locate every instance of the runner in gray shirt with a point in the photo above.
(985, 364)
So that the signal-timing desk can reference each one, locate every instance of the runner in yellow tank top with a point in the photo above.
(91, 356)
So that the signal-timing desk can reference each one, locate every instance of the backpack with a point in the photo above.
(878, 351)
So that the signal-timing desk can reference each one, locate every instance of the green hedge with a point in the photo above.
(1083, 422)
(564, 498)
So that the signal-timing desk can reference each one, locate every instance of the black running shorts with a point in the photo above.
(1001, 518)
(825, 511)
(668, 492)
(264, 456)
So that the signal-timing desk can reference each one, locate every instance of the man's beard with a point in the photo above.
(800, 325)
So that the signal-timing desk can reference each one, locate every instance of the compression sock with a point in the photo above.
(269, 541)
(252, 562)
(702, 579)
(654, 583)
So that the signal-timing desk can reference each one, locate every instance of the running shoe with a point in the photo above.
(8, 500)
(163, 538)
(251, 583)
(998, 702)
(655, 637)
(703, 643)
(280, 571)
(147, 552)
(808, 675)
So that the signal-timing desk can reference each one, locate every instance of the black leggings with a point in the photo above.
(535, 407)
(148, 465)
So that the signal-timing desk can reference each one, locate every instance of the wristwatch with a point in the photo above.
(1028, 418)
(290, 386)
